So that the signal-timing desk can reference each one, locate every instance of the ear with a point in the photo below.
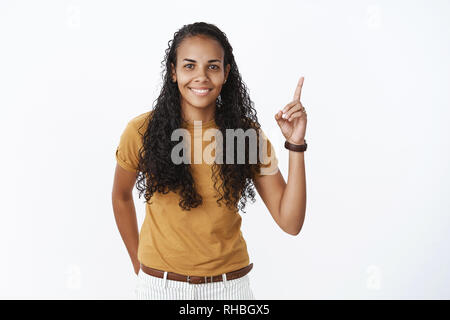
(227, 71)
(173, 73)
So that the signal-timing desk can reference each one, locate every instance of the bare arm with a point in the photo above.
(286, 202)
(125, 212)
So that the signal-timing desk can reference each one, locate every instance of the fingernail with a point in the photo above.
(284, 116)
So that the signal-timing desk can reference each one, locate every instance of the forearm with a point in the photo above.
(125, 216)
(293, 201)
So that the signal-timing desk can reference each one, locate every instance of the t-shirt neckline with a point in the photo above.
(206, 124)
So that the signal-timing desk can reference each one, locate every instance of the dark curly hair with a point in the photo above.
(234, 109)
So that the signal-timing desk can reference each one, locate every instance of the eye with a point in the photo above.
(213, 65)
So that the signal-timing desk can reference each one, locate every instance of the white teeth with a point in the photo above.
(200, 91)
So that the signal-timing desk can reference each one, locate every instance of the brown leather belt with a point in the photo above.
(196, 279)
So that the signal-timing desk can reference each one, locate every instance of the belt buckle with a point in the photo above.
(206, 279)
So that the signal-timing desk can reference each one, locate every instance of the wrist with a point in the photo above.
(298, 142)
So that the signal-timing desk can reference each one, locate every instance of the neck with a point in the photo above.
(190, 113)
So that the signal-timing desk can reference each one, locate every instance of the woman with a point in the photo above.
(190, 245)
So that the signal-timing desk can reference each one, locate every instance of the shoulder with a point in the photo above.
(140, 121)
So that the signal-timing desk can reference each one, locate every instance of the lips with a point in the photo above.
(200, 91)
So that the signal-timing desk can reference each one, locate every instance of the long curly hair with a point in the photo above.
(234, 109)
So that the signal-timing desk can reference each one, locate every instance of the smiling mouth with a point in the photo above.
(200, 93)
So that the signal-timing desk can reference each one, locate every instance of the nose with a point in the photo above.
(201, 75)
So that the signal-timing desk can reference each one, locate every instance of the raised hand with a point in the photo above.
(292, 118)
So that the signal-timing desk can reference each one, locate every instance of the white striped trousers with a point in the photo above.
(153, 288)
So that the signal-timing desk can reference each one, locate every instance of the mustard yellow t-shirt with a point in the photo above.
(204, 241)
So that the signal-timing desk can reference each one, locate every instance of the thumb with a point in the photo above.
(279, 118)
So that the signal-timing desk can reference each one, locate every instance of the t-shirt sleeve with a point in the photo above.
(269, 163)
(127, 152)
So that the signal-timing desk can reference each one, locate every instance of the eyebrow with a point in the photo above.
(213, 60)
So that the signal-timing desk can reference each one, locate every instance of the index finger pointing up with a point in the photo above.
(298, 90)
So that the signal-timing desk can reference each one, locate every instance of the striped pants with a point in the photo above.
(153, 288)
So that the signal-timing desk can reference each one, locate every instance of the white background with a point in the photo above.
(73, 73)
